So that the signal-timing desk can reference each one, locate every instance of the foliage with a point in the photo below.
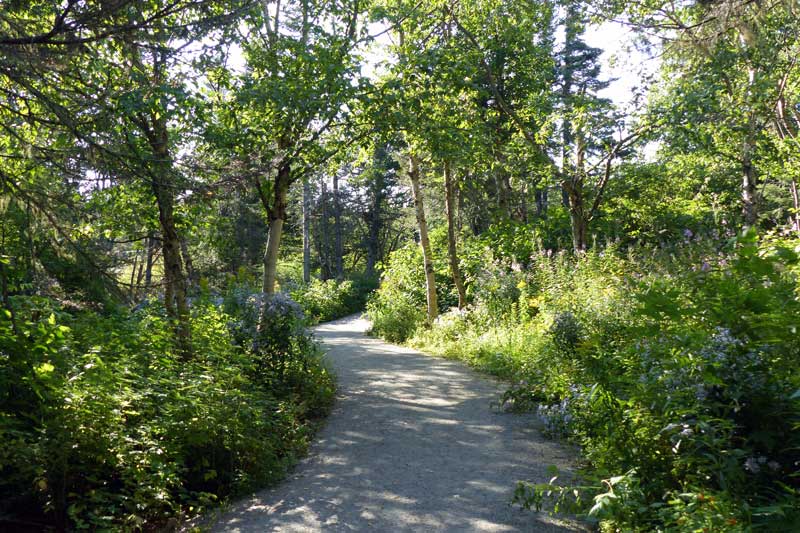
(140, 167)
(318, 301)
(105, 427)
(331, 299)
(679, 384)
(395, 308)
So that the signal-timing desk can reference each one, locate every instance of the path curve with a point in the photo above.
(412, 444)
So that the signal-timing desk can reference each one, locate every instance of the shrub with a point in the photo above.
(694, 399)
(674, 368)
(107, 428)
(394, 316)
(330, 299)
(398, 306)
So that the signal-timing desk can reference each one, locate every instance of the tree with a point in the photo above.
(724, 69)
(424, 240)
(111, 94)
(300, 76)
(381, 183)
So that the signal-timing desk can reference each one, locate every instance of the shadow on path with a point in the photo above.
(411, 445)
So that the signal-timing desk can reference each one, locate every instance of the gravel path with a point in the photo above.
(412, 445)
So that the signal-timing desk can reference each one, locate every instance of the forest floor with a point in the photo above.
(414, 443)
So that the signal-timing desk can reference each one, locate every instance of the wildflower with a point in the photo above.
(752, 466)
(700, 393)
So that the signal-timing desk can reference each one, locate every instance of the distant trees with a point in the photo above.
(727, 85)
(137, 150)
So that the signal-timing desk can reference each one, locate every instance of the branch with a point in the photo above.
(507, 109)
(607, 162)
(12, 186)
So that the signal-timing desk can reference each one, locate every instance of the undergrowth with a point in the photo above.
(675, 370)
(105, 427)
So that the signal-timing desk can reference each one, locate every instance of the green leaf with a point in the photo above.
(45, 369)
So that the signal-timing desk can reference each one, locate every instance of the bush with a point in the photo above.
(693, 401)
(105, 427)
(674, 368)
(398, 307)
(330, 299)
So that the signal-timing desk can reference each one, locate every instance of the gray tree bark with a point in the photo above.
(427, 256)
(452, 251)
(306, 231)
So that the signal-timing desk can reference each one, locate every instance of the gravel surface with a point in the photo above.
(413, 444)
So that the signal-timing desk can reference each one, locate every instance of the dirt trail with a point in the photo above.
(413, 444)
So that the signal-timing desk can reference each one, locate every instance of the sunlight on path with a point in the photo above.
(412, 445)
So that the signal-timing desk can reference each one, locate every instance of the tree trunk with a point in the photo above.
(175, 300)
(505, 193)
(503, 202)
(577, 219)
(277, 216)
(569, 63)
(452, 252)
(306, 231)
(162, 182)
(749, 178)
(187, 261)
(324, 248)
(140, 271)
(132, 284)
(523, 207)
(338, 250)
(749, 185)
(175, 291)
(373, 237)
(796, 204)
(788, 130)
(427, 257)
(541, 202)
(151, 252)
(573, 187)
(306, 183)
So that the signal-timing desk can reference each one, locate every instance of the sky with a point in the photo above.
(620, 60)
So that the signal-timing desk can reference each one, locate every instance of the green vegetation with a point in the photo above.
(185, 187)
(673, 369)
(106, 426)
(327, 300)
